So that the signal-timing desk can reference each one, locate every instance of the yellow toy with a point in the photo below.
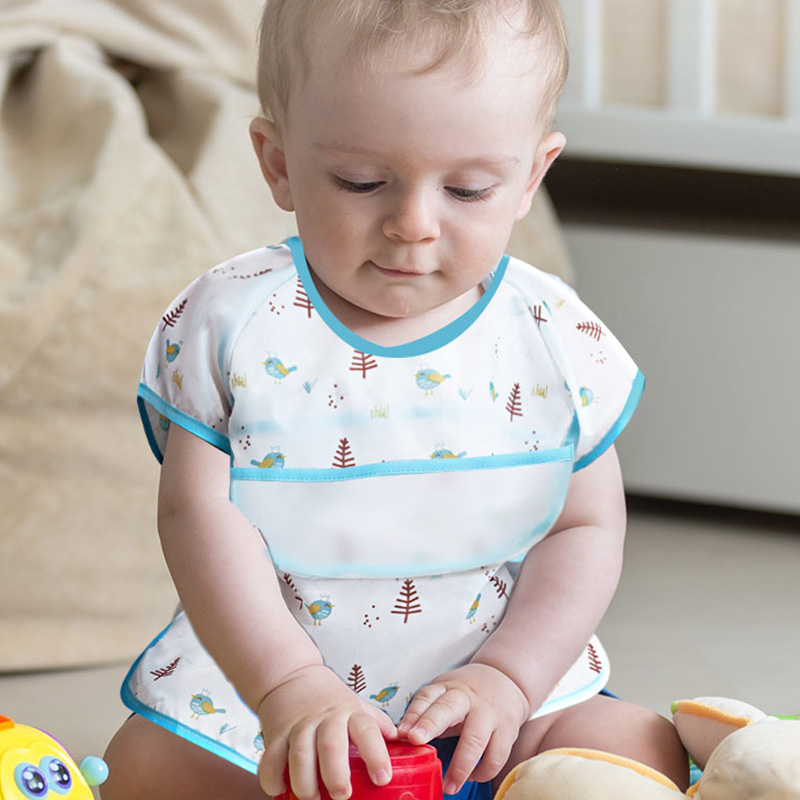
(34, 766)
(744, 754)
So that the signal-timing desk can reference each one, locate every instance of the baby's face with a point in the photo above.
(406, 186)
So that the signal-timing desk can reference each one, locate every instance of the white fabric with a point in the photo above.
(390, 489)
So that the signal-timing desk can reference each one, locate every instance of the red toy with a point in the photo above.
(416, 775)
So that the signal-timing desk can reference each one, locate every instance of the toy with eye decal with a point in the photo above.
(34, 766)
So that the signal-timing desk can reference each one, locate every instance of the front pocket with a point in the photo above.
(405, 518)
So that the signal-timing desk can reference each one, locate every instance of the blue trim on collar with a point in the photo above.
(427, 344)
(622, 420)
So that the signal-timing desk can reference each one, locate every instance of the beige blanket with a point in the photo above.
(125, 170)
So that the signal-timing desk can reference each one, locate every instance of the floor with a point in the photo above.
(708, 605)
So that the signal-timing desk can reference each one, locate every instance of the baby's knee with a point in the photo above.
(148, 762)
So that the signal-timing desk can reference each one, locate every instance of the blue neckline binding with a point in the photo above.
(426, 344)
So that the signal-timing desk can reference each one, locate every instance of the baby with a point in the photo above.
(419, 429)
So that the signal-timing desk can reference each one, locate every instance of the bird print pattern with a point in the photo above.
(320, 610)
(202, 705)
(276, 368)
(287, 378)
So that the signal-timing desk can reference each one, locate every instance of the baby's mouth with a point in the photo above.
(401, 272)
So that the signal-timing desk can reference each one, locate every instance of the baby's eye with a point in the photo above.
(468, 195)
(356, 186)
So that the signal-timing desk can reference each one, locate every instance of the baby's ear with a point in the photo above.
(546, 153)
(272, 160)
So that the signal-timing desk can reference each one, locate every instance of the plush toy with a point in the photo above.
(744, 755)
(34, 766)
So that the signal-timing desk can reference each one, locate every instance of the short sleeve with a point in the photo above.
(185, 374)
(603, 380)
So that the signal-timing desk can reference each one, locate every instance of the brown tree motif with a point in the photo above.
(514, 404)
(356, 680)
(407, 602)
(592, 329)
(595, 664)
(301, 299)
(538, 315)
(165, 672)
(171, 317)
(344, 455)
(287, 579)
(500, 586)
(362, 362)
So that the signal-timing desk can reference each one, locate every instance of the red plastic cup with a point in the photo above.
(416, 775)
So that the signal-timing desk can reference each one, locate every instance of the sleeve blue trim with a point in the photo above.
(622, 420)
(138, 707)
(426, 344)
(147, 397)
(415, 466)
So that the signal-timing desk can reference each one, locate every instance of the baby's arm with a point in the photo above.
(227, 583)
(563, 589)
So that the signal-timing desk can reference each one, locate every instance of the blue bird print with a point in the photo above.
(429, 379)
(276, 368)
(444, 453)
(587, 396)
(201, 705)
(173, 351)
(473, 609)
(385, 695)
(320, 610)
(273, 460)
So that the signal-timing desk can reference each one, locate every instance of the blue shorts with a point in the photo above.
(471, 790)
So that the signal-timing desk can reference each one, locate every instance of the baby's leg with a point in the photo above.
(148, 762)
(614, 726)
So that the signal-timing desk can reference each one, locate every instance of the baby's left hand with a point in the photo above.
(482, 706)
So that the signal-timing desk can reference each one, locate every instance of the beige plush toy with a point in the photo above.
(744, 754)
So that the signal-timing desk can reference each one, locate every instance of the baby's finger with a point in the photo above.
(419, 704)
(495, 755)
(303, 763)
(446, 711)
(366, 735)
(333, 751)
(272, 767)
(471, 746)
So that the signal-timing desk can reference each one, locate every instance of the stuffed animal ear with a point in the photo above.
(704, 722)
(757, 762)
(567, 774)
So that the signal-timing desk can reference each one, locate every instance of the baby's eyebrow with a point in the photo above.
(345, 148)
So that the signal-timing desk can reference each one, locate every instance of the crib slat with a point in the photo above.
(691, 67)
(584, 23)
(792, 60)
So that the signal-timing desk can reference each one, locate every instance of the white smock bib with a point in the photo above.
(396, 488)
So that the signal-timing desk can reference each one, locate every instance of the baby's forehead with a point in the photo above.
(464, 46)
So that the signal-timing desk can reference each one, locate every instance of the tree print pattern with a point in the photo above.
(592, 329)
(407, 602)
(301, 299)
(171, 317)
(344, 455)
(595, 664)
(362, 362)
(165, 672)
(356, 680)
(514, 405)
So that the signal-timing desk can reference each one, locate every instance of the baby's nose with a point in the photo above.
(412, 218)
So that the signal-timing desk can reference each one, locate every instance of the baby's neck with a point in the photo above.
(395, 331)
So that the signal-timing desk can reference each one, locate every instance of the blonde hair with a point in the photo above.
(448, 29)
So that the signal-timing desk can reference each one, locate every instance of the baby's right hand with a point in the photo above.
(311, 719)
